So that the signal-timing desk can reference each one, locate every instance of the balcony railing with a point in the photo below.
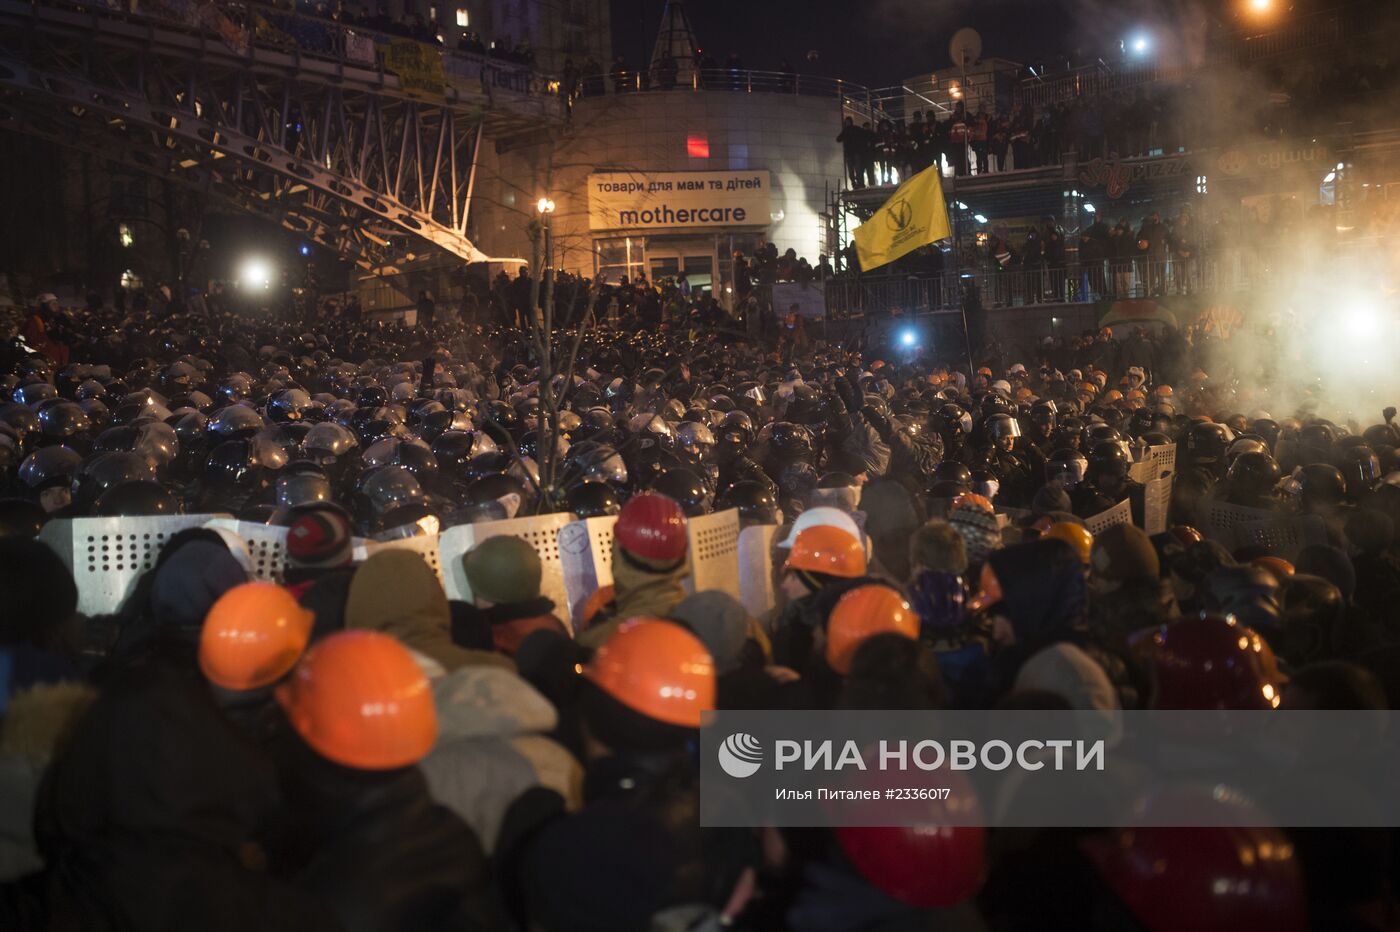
(1041, 284)
(243, 26)
(742, 81)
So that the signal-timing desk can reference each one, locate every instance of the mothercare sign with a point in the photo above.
(669, 200)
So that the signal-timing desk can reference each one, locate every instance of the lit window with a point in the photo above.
(432, 14)
(130, 279)
(124, 235)
(1200, 184)
(462, 19)
(697, 146)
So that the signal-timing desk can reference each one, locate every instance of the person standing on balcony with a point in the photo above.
(958, 133)
(1152, 251)
(852, 140)
(1122, 252)
(1000, 140)
(980, 129)
(1095, 247)
(1185, 249)
(1022, 121)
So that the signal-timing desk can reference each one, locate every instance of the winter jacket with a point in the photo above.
(510, 623)
(395, 592)
(35, 723)
(375, 847)
(633, 850)
(148, 817)
(491, 748)
(639, 592)
(858, 438)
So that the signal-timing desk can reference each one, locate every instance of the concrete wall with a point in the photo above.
(791, 137)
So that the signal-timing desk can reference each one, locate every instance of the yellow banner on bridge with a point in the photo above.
(418, 66)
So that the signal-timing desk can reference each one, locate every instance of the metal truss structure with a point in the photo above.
(338, 153)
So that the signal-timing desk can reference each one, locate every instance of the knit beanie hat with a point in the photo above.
(1123, 553)
(320, 540)
(503, 570)
(977, 527)
(1050, 498)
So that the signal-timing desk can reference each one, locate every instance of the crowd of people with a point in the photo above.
(992, 139)
(349, 749)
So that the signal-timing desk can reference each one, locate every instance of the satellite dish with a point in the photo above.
(965, 47)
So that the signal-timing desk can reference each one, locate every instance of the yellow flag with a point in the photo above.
(914, 216)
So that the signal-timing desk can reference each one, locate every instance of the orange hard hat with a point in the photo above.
(985, 371)
(830, 550)
(1163, 391)
(253, 635)
(1076, 535)
(1278, 566)
(656, 668)
(989, 589)
(971, 500)
(862, 612)
(360, 699)
(1112, 395)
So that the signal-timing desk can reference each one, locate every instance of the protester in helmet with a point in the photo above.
(650, 545)
(365, 836)
(642, 695)
(394, 592)
(504, 574)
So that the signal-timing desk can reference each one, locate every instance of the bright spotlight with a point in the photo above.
(305, 249)
(980, 218)
(255, 273)
(907, 337)
(1362, 323)
(1139, 44)
(1261, 6)
(1090, 208)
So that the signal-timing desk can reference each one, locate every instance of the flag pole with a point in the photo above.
(957, 268)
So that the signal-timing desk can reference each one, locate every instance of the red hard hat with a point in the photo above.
(1212, 662)
(927, 866)
(1203, 879)
(652, 526)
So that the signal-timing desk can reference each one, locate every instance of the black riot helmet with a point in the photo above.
(592, 500)
(755, 501)
(134, 499)
(1254, 474)
(1066, 468)
(684, 487)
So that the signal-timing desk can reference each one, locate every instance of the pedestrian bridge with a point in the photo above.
(363, 143)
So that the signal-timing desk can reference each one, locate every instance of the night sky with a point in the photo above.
(879, 42)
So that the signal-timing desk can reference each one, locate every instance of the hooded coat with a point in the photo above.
(492, 748)
(396, 593)
(639, 591)
(149, 814)
(375, 847)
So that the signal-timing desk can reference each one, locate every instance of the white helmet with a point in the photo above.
(823, 517)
